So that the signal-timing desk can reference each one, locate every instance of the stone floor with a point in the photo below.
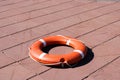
(95, 22)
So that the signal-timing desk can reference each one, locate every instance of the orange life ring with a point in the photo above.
(78, 53)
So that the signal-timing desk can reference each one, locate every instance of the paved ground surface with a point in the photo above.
(96, 22)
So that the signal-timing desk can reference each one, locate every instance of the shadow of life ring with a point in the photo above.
(79, 52)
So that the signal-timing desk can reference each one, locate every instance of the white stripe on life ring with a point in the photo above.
(43, 42)
(80, 52)
(68, 42)
(42, 55)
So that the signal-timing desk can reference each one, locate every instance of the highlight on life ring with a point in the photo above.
(79, 52)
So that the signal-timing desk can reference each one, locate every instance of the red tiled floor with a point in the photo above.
(110, 72)
(94, 38)
(96, 23)
(53, 25)
(31, 8)
(18, 4)
(15, 72)
(5, 60)
(33, 66)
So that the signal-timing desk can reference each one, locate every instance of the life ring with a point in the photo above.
(38, 55)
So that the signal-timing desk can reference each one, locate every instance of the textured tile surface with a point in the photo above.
(95, 22)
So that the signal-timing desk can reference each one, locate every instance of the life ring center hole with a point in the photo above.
(57, 49)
